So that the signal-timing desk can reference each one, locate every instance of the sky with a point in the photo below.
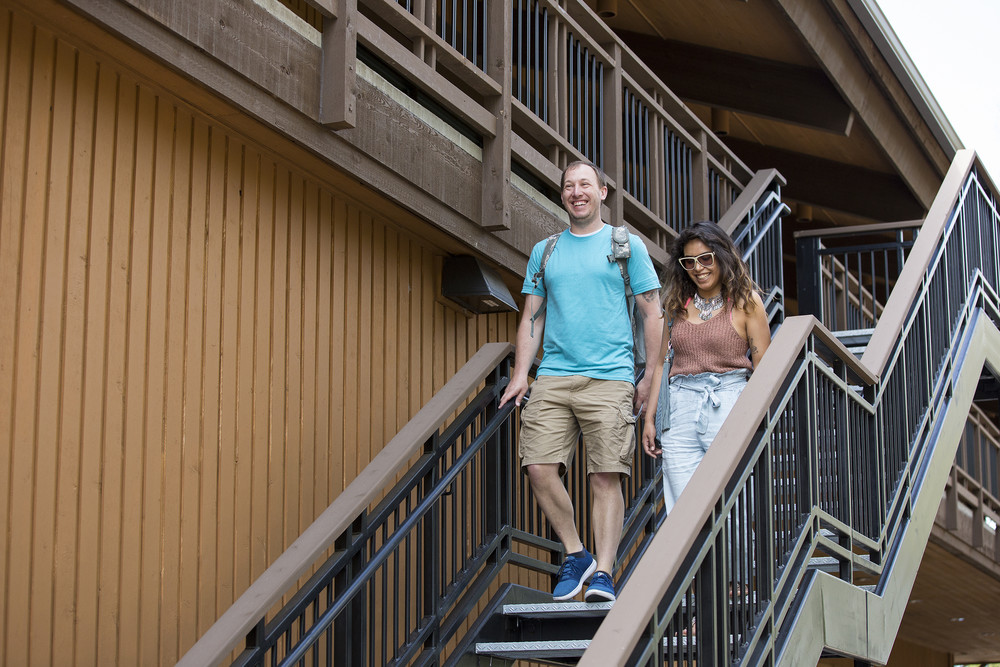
(956, 48)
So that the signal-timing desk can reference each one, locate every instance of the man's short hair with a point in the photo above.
(602, 180)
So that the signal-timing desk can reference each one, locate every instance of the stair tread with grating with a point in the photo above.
(855, 340)
(831, 564)
(557, 609)
(560, 648)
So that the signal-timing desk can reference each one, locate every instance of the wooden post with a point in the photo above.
(338, 80)
(496, 149)
(612, 129)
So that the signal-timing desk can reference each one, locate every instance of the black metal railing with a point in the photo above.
(463, 25)
(398, 578)
(831, 469)
(531, 54)
(758, 237)
(635, 148)
(585, 100)
(845, 276)
(408, 573)
(721, 194)
(678, 181)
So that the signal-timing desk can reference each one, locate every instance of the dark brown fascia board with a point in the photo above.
(833, 185)
(768, 88)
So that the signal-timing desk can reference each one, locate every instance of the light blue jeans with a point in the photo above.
(698, 406)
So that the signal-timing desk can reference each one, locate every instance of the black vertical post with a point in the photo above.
(808, 275)
(431, 560)
(349, 630)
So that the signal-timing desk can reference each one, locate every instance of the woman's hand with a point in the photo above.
(649, 435)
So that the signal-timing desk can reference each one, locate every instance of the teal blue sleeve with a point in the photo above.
(641, 273)
(534, 261)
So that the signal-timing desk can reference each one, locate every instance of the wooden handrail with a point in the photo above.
(661, 563)
(890, 325)
(757, 186)
(233, 626)
(859, 229)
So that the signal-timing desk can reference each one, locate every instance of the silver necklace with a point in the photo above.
(707, 306)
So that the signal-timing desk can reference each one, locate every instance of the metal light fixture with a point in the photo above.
(720, 122)
(475, 286)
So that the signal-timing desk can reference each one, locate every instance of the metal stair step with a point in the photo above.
(557, 609)
(541, 650)
(560, 649)
(831, 564)
(855, 340)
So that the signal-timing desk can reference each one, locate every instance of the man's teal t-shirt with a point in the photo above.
(587, 328)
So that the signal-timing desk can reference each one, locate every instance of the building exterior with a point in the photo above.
(225, 225)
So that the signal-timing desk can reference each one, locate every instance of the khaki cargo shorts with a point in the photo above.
(561, 408)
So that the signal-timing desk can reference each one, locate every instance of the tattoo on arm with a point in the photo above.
(650, 296)
(753, 348)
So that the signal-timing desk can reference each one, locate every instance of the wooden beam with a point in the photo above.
(758, 86)
(834, 185)
(839, 58)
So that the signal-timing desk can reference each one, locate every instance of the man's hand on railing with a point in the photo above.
(516, 390)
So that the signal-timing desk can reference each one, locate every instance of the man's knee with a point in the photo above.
(606, 481)
(542, 472)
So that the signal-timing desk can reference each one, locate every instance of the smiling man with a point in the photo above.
(585, 382)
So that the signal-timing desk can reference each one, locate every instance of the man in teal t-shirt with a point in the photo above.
(585, 381)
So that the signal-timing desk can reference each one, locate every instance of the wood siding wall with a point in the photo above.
(199, 347)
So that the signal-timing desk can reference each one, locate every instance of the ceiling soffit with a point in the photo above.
(801, 88)
(769, 88)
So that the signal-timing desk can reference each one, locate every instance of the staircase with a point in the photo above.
(817, 497)
(887, 425)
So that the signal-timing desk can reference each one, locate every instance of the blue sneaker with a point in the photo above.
(572, 574)
(601, 589)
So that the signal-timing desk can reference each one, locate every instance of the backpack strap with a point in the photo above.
(620, 252)
(539, 277)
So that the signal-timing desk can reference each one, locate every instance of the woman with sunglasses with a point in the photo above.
(717, 330)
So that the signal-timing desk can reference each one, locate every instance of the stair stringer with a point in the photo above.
(826, 617)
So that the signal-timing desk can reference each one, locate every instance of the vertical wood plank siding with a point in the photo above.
(199, 347)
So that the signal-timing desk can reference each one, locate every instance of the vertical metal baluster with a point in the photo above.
(647, 170)
(599, 124)
(531, 64)
(585, 105)
(517, 49)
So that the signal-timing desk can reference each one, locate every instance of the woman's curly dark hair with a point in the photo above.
(737, 285)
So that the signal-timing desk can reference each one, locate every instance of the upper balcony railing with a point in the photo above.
(537, 83)
(974, 484)
(845, 276)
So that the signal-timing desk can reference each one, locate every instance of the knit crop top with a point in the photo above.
(712, 347)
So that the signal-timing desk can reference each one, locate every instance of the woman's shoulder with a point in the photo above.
(754, 301)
